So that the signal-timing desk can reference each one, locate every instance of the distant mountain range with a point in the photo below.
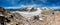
(16, 10)
(25, 9)
(19, 9)
(56, 9)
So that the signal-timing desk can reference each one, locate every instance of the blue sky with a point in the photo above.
(35, 3)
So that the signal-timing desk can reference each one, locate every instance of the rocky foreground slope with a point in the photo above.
(36, 17)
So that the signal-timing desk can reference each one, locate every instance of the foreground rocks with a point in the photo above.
(45, 18)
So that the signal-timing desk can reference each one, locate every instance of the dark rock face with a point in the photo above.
(7, 20)
(16, 24)
(11, 16)
(33, 9)
(2, 9)
(36, 17)
(2, 19)
(53, 13)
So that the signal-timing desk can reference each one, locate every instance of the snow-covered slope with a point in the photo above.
(29, 14)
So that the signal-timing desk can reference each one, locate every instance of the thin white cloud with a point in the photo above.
(28, 5)
(21, 6)
(44, 1)
(11, 7)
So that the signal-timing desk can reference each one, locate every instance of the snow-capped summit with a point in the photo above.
(32, 9)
